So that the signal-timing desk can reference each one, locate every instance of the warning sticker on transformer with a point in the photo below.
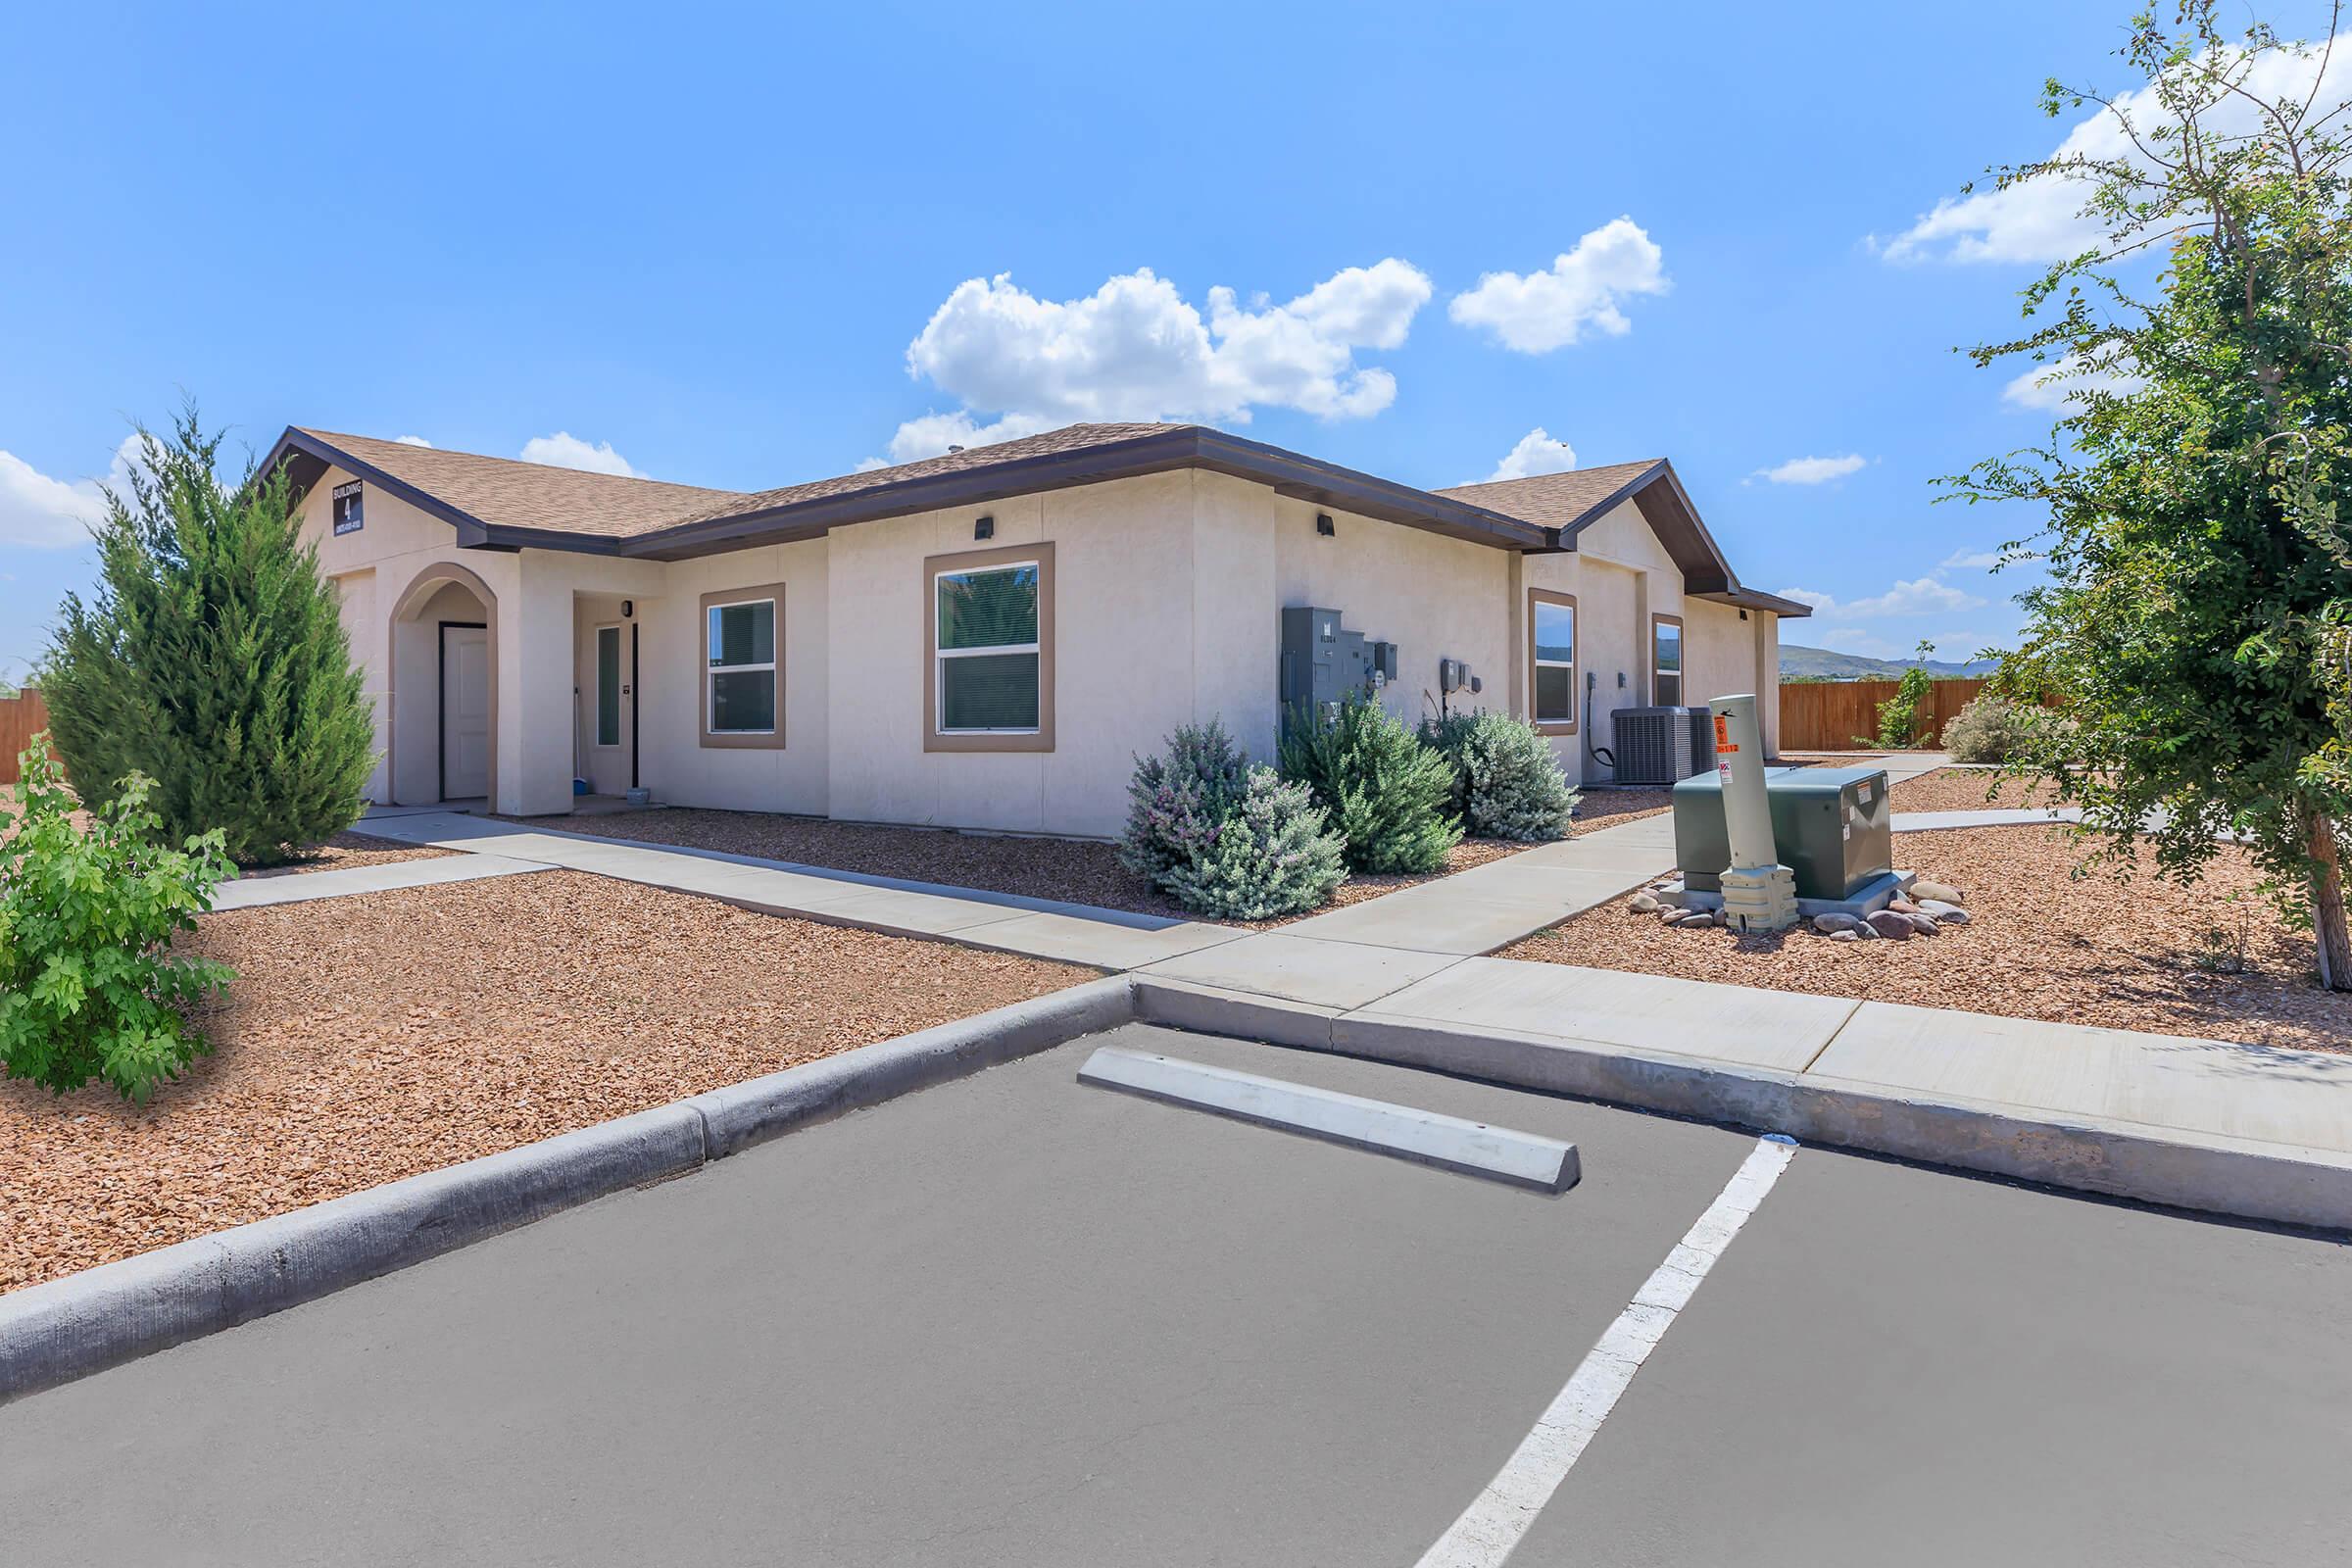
(1723, 734)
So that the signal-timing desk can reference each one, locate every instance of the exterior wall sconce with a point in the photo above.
(985, 529)
(1325, 526)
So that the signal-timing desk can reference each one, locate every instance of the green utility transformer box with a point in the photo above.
(1832, 825)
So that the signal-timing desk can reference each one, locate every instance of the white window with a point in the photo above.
(1666, 660)
(1551, 651)
(607, 685)
(740, 680)
(989, 657)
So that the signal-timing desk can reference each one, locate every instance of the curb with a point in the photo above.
(101, 1317)
(2235, 1178)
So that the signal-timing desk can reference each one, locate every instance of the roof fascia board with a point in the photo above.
(472, 530)
(1286, 471)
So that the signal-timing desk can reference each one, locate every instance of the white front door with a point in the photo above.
(464, 711)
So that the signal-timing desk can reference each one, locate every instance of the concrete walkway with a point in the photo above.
(1043, 928)
(1409, 965)
(258, 893)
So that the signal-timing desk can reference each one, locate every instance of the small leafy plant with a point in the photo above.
(1389, 794)
(1901, 716)
(89, 986)
(1507, 784)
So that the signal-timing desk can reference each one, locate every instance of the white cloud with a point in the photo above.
(934, 433)
(47, 513)
(1971, 561)
(1539, 312)
(1918, 596)
(1813, 470)
(2054, 386)
(1537, 452)
(1135, 349)
(412, 441)
(2041, 220)
(563, 450)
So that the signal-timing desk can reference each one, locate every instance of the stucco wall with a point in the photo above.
(1167, 590)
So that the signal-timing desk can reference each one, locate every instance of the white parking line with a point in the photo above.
(1492, 1527)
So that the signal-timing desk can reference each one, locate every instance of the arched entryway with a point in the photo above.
(443, 738)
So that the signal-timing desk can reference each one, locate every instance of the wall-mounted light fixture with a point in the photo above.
(1325, 526)
(985, 529)
(628, 609)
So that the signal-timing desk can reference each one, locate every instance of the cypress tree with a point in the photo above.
(212, 658)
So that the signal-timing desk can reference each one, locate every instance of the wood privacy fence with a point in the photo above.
(23, 716)
(1822, 715)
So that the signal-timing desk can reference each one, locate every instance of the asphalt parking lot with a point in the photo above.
(1019, 1320)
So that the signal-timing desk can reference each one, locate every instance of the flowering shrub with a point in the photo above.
(1223, 838)
(89, 986)
(1269, 855)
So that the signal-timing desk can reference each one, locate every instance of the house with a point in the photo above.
(984, 639)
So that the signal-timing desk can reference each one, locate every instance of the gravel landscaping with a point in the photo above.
(2136, 953)
(370, 1039)
(1075, 870)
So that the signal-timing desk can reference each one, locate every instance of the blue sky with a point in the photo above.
(708, 240)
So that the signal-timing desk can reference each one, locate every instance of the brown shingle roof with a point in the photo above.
(507, 493)
(1069, 438)
(1554, 500)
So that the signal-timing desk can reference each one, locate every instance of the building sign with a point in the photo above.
(348, 518)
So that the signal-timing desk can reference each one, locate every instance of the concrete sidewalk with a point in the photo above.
(1043, 928)
(258, 892)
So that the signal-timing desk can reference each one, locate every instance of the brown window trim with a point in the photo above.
(1041, 738)
(1576, 660)
(702, 669)
(1682, 676)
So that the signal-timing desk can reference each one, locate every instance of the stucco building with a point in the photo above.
(984, 639)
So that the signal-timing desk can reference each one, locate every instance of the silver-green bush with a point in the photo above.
(1989, 729)
(1271, 855)
(1507, 783)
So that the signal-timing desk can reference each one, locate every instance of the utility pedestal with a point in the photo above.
(1759, 894)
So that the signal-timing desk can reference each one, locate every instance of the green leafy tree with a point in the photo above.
(211, 658)
(1388, 793)
(89, 986)
(1900, 717)
(2195, 620)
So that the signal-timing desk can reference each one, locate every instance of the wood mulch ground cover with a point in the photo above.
(1075, 870)
(2127, 953)
(368, 1038)
(1599, 808)
(1971, 789)
(344, 851)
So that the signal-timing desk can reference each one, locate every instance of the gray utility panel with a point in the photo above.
(1323, 663)
(1832, 825)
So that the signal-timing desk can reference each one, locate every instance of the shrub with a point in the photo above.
(89, 986)
(211, 658)
(1271, 855)
(1449, 734)
(1176, 801)
(1387, 792)
(1901, 716)
(1506, 782)
(1989, 729)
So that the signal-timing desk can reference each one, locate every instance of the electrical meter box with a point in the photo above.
(1323, 662)
(1832, 825)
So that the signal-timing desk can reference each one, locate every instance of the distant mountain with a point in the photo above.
(1822, 661)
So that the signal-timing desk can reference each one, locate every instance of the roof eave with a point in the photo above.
(1194, 446)
(474, 533)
